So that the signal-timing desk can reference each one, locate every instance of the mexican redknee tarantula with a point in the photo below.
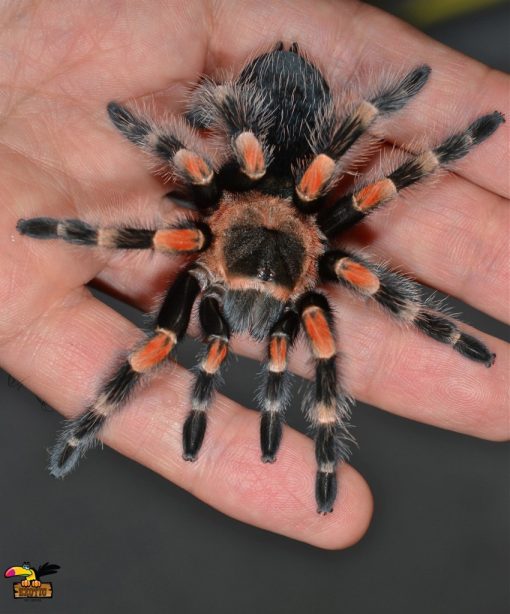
(262, 240)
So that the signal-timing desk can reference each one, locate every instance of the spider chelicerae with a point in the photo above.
(268, 209)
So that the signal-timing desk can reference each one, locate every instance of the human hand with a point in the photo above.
(62, 158)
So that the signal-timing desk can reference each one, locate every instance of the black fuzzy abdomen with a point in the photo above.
(294, 90)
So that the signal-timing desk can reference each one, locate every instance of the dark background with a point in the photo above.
(128, 541)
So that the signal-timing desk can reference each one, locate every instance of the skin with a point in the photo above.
(62, 62)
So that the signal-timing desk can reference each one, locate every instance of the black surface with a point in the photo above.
(438, 542)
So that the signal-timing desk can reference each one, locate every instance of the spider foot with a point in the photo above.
(270, 435)
(268, 459)
(325, 491)
(193, 434)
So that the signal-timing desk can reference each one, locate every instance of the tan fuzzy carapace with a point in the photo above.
(270, 212)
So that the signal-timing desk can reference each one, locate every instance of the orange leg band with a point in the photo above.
(251, 154)
(154, 351)
(216, 354)
(358, 276)
(194, 166)
(319, 333)
(278, 354)
(374, 194)
(315, 177)
(179, 240)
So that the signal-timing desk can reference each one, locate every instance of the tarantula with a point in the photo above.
(267, 213)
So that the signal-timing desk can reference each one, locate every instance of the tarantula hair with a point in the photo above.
(261, 242)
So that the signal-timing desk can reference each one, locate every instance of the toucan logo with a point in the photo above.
(31, 586)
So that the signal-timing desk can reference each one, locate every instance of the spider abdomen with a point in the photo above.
(294, 93)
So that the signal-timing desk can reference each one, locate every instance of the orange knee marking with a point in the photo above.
(319, 332)
(152, 352)
(315, 177)
(374, 194)
(179, 240)
(358, 275)
(278, 354)
(216, 354)
(250, 151)
(194, 166)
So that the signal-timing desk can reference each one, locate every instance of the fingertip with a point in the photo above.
(350, 519)
(352, 514)
(229, 474)
(280, 496)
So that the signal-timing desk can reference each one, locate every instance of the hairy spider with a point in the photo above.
(262, 244)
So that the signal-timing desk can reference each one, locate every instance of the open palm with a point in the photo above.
(60, 157)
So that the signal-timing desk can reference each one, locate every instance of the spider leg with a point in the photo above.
(238, 111)
(171, 324)
(171, 144)
(354, 207)
(400, 297)
(187, 236)
(332, 139)
(275, 392)
(217, 334)
(329, 412)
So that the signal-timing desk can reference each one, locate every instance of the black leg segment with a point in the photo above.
(174, 144)
(217, 335)
(354, 207)
(181, 238)
(401, 297)
(329, 411)
(274, 395)
(80, 434)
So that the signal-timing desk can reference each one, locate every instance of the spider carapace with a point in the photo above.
(266, 217)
